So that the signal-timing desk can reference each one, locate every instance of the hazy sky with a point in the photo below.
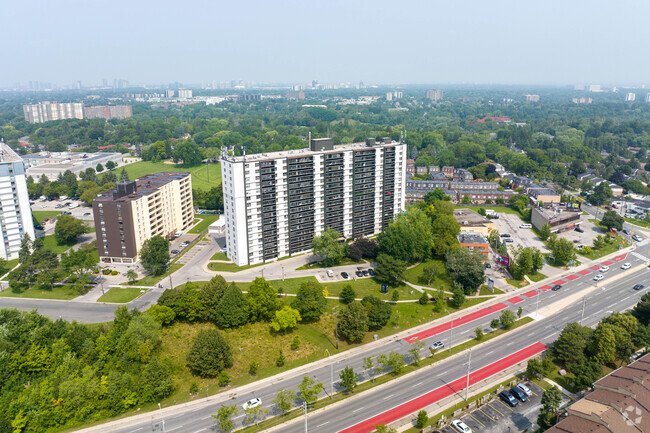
(375, 41)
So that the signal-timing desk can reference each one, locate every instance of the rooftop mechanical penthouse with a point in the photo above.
(275, 203)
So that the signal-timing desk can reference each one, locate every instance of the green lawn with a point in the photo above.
(607, 249)
(49, 242)
(65, 292)
(121, 295)
(319, 265)
(9, 266)
(498, 209)
(537, 277)
(206, 220)
(39, 215)
(640, 223)
(486, 292)
(202, 177)
(230, 267)
(219, 256)
(516, 283)
(441, 280)
(151, 280)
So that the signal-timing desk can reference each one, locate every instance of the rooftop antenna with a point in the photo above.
(244, 152)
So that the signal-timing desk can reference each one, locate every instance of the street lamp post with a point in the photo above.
(451, 334)
(163, 421)
(331, 374)
(469, 367)
(584, 301)
(304, 407)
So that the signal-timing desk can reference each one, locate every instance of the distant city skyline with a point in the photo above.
(378, 42)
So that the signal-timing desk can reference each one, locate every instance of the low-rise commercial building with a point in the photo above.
(543, 195)
(472, 222)
(474, 242)
(51, 164)
(560, 219)
(126, 216)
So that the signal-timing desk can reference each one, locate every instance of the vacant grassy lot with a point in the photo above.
(441, 279)
(66, 292)
(121, 295)
(205, 221)
(637, 222)
(607, 249)
(204, 176)
(50, 243)
(39, 215)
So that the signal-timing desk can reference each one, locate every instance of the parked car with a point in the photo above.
(580, 230)
(626, 266)
(525, 389)
(508, 398)
(521, 396)
(487, 266)
(252, 403)
(38, 227)
(358, 274)
(599, 277)
(87, 214)
(174, 251)
(508, 240)
(365, 272)
(638, 286)
(636, 238)
(345, 275)
(461, 426)
(556, 287)
(371, 272)
(437, 345)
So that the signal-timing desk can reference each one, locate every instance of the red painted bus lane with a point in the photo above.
(445, 391)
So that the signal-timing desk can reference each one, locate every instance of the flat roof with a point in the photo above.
(145, 186)
(467, 217)
(7, 154)
(471, 238)
(551, 215)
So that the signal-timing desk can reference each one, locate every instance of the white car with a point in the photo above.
(461, 426)
(598, 277)
(525, 389)
(252, 403)
(604, 268)
(437, 345)
(626, 266)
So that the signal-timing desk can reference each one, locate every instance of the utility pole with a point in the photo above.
(304, 407)
(451, 334)
(469, 366)
(331, 374)
(584, 301)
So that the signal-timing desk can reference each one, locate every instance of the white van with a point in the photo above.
(63, 197)
(525, 226)
(490, 212)
(73, 205)
(330, 273)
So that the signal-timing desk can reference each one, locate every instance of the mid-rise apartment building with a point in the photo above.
(15, 212)
(46, 111)
(126, 216)
(108, 112)
(275, 203)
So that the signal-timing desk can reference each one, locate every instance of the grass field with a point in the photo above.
(38, 215)
(517, 283)
(607, 249)
(486, 292)
(206, 220)
(319, 265)
(537, 277)
(121, 295)
(230, 267)
(498, 209)
(219, 256)
(640, 223)
(9, 266)
(203, 177)
(66, 292)
(49, 242)
(441, 280)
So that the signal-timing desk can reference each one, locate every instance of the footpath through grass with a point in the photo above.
(121, 295)
(440, 280)
(65, 292)
(206, 220)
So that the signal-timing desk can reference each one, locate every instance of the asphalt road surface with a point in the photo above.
(610, 297)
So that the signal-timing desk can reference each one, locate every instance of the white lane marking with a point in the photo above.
(491, 351)
(417, 384)
(321, 425)
(175, 428)
(205, 428)
(386, 398)
(357, 410)
(206, 417)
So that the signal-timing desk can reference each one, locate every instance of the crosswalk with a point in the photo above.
(644, 258)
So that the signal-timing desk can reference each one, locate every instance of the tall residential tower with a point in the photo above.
(275, 203)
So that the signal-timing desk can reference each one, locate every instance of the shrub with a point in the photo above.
(395, 296)
(210, 354)
(280, 361)
(194, 388)
(295, 343)
(252, 368)
(424, 299)
(224, 379)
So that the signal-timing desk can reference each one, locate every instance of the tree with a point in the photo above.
(507, 319)
(379, 312)
(612, 220)
(211, 294)
(124, 176)
(445, 230)
(309, 301)
(232, 310)
(534, 369)
(348, 294)
(389, 269)
(563, 250)
(551, 400)
(187, 151)
(428, 273)
(369, 366)
(254, 414)
(545, 232)
(363, 248)
(223, 418)
(132, 276)
(601, 195)
(162, 314)
(68, 229)
(394, 362)
(99, 168)
(408, 237)
(570, 346)
(435, 195)
(353, 322)
(286, 318)
(424, 298)
(478, 333)
(110, 165)
(422, 419)
(416, 351)
(80, 262)
(25, 249)
(284, 400)
(588, 373)
(210, 354)
(603, 345)
(263, 300)
(458, 299)
(348, 379)
(466, 268)
(309, 390)
(328, 246)
(154, 255)
(642, 310)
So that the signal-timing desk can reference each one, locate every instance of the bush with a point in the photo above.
(106, 271)
(210, 354)
(295, 344)
(395, 296)
(113, 273)
(224, 379)
(194, 388)
(479, 334)
(494, 324)
(348, 294)
(280, 361)
(379, 312)
(424, 299)
(252, 368)
(422, 419)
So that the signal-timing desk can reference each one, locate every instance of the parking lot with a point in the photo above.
(83, 212)
(496, 416)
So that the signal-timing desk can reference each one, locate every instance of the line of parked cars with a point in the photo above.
(360, 273)
(516, 394)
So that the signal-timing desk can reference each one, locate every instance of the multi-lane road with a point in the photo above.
(613, 294)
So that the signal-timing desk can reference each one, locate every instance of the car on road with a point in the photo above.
(345, 275)
(556, 287)
(250, 404)
(626, 266)
(87, 214)
(599, 277)
(626, 231)
(638, 287)
(358, 274)
(174, 251)
(604, 268)
(371, 272)
(508, 398)
(521, 396)
(508, 240)
(505, 235)
(461, 426)
(580, 230)
(437, 345)
(525, 389)
(636, 238)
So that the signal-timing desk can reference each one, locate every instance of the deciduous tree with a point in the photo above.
(154, 255)
(210, 354)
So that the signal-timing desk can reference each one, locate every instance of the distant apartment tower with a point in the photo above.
(434, 95)
(169, 93)
(595, 88)
(46, 111)
(630, 97)
(582, 100)
(16, 220)
(108, 112)
(295, 96)
(531, 98)
(185, 93)
(275, 203)
(647, 97)
(126, 216)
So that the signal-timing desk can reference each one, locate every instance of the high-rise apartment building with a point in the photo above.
(126, 216)
(46, 111)
(15, 212)
(434, 95)
(531, 98)
(108, 112)
(185, 93)
(275, 203)
(630, 97)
